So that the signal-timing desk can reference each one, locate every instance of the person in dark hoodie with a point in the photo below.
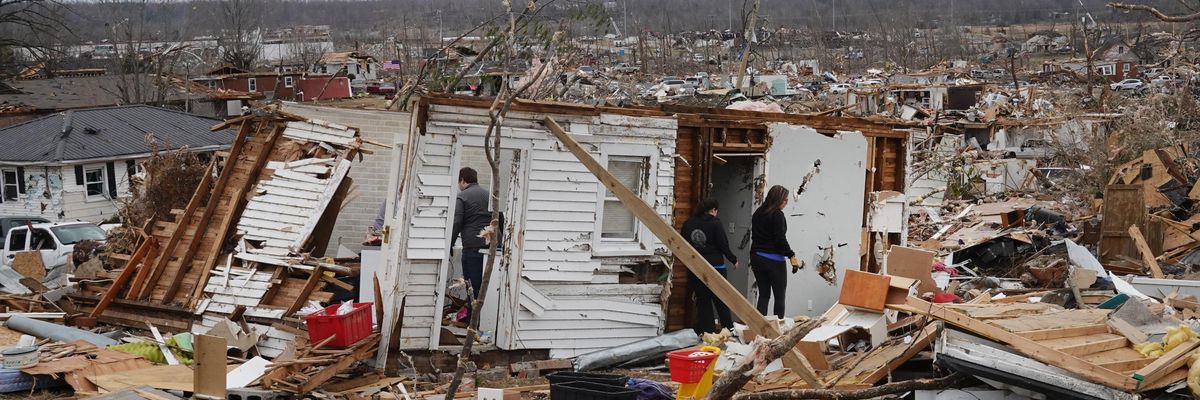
(704, 232)
(471, 216)
(770, 251)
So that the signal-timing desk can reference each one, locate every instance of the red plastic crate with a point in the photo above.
(349, 328)
(689, 365)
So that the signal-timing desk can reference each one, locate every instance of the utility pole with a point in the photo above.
(625, 18)
(749, 38)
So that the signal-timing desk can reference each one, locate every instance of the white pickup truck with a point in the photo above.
(56, 241)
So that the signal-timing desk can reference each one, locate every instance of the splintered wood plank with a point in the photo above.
(1053, 333)
(1061, 319)
(1139, 241)
(1088, 344)
(168, 251)
(124, 277)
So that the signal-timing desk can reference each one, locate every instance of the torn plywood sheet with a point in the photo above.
(825, 220)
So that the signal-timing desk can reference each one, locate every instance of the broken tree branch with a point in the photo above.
(764, 353)
(1155, 12)
(946, 382)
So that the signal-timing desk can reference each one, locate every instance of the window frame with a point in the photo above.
(103, 184)
(288, 81)
(4, 184)
(252, 85)
(1106, 70)
(643, 243)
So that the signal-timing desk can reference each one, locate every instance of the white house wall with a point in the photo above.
(568, 298)
(829, 212)
(51, 193)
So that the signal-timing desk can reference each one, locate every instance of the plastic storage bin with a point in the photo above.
(571, 376)
(349, 328)
(583, 390)
(689, 365)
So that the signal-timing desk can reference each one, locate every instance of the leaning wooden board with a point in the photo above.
(686, 253)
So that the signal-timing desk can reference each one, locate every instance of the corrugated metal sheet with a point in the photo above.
(109, 132)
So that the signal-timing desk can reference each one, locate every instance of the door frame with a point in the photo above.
(504, 283)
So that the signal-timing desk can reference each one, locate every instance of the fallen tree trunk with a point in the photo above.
(745, 370)
(945, 382)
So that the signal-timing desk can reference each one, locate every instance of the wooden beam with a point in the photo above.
(234, 203)
(1086, 370)
(686, 253)
(1144, 249)
(1166, 364)
(362, 351)
(1056, 333)
(1097, 346)
(309, 286)
(126, 273)
(214, 202)
(185, 220)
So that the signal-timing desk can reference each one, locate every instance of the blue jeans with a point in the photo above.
(472, 268)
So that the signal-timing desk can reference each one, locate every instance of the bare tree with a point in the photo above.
(492, 140)
(33, 29)
(240, 37)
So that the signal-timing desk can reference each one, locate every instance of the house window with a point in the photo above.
(253, 84)
(212, 84)
(93, 181)
(619, 223)
(324, 69)
(1125, 67)
(1106, 70)
(287, 81)
(12, 188)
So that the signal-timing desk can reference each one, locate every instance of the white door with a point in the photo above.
(18, 241)
(827, 213)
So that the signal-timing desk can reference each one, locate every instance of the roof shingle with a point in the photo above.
(107, 132)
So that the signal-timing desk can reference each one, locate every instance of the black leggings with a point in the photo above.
(771, 276)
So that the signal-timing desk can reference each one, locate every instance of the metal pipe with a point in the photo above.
(57, 332)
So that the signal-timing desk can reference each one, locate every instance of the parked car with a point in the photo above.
(1163, 80)
(586, 70)
(1128, 84)
(692, 80)
(839, 88)
(674, 84)
(870, 83)
(56, 241)
(625, 68)
(7, 223)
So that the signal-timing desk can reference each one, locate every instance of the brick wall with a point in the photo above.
(370, 176)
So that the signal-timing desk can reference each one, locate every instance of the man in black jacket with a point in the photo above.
(705, 233)
(471, 216)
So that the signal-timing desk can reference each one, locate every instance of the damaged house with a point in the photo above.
(76, 165)
(584, 273)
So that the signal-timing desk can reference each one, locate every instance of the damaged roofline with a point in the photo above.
(59, 163)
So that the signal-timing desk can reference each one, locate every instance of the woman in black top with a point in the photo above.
(769, 250)
(704, 232)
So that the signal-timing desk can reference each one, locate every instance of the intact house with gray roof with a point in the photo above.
(76, 165)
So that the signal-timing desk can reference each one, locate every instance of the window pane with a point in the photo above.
(16, 240)
(628, 171)
(42, 240)
(619, 222)
(94, 182)
(71, 234)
